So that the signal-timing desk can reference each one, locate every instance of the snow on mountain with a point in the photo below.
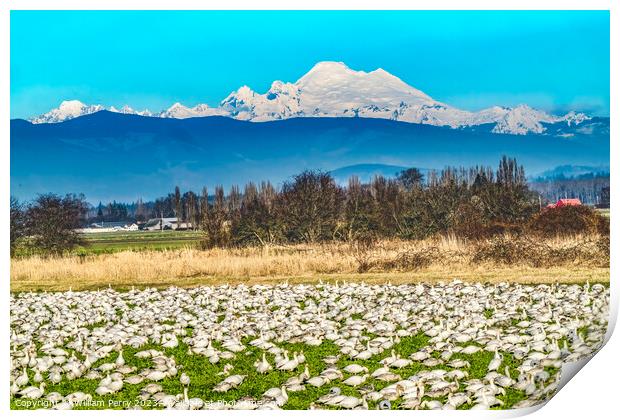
(74, 108)
(575, 118)
(334, 89)
(281, 101)
(126, 109)
(331, 89)
(181, 111)
(66, 111)
(523, 120)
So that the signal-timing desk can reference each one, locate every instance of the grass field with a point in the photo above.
(322, 301)
(568, 260)
(206, 375)
(110, 242)
(212, 334)
(604, 212)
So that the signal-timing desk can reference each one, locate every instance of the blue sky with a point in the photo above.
(554, 60)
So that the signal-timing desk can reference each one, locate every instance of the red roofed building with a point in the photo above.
(563, 202)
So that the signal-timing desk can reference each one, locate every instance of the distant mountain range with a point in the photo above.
(112, 155)
(331, 89)
(572, 171)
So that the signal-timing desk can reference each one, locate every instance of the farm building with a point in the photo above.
(106, 227)
(160, 223)
(166, 223)
(563, 202)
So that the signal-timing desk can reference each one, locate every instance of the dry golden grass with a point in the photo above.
(302, 263)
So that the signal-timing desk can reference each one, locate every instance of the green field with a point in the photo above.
(109, 242)
(604, 212)
(205, 376)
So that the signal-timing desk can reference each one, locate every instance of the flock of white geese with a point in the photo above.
(60, 337)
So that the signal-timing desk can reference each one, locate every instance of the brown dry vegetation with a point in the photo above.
(502, 258)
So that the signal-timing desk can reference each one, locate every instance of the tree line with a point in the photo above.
(311, 207)
(591, 191)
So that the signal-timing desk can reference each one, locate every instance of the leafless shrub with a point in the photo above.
(511, 250)
(419, 258)
(362, 249)
(568, 220)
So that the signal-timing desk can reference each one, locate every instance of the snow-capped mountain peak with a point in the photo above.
(236, 100)
(329, 79)
(178, 110)
(71, 107)
(575, 118)
(523, 119)
(329, 89)
(66, 111)
(126, 109)
(332, 89)
(328, 67)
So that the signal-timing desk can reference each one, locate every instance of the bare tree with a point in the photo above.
(18, 224)
(51, 222)
(216, 225)
(411, 178)
(310, 207)
(257, 222)
(204, 207)
(178, 212)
